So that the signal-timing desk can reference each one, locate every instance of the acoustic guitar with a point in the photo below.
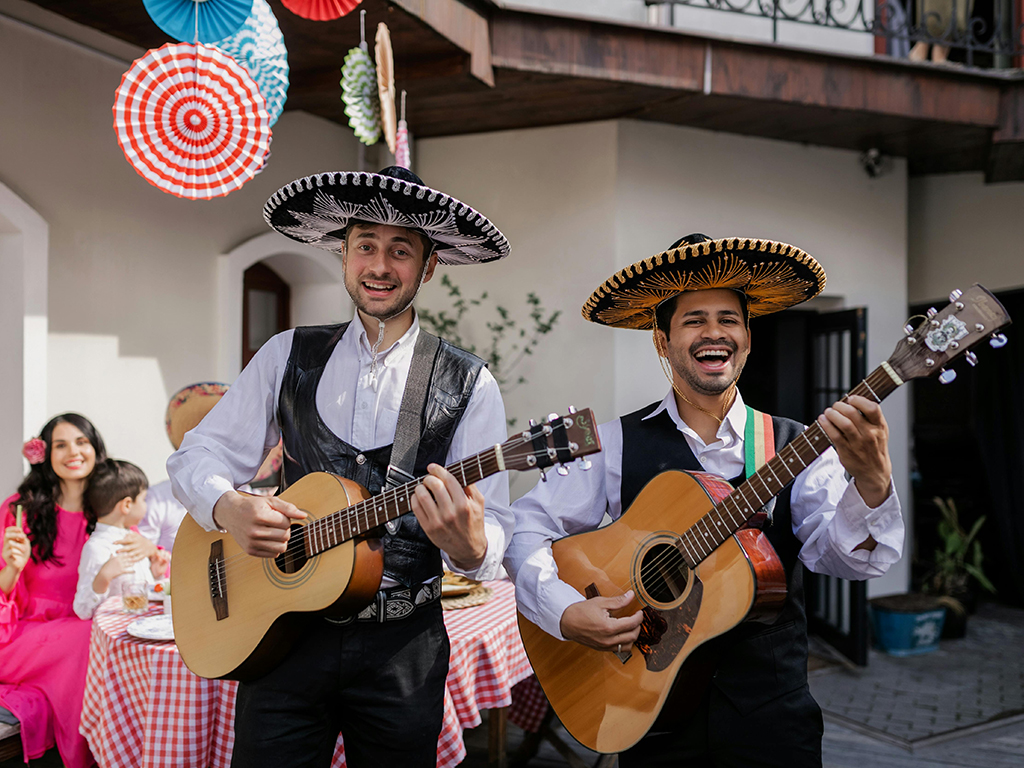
(236, 616)
(697, 572)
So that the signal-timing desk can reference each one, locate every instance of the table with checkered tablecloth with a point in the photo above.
(143, 708)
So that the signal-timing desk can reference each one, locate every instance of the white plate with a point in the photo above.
(155, 596)
(158, 627)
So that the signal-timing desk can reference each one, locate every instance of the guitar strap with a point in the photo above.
(758, 449)
(410, 416)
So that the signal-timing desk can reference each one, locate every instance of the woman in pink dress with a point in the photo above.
(44, 647)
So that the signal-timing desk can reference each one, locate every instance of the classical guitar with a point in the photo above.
(697, 572)
(236, 616)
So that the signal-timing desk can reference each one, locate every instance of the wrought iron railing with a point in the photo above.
(985, 33)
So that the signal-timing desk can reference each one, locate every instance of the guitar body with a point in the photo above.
(268, 600)
(609, 701)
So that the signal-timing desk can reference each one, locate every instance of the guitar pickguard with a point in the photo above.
(663, 633)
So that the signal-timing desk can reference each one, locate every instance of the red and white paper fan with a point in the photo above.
(191, 121)
(320, 10)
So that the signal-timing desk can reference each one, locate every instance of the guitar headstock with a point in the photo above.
(946, 335)
(558, 440)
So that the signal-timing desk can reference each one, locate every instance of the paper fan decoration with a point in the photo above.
(359, 92)
(320, 10)
(259, 47)
(403, 154)
(191, 121)
(385, 57)
(217, 19)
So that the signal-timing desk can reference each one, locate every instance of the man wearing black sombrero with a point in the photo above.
(696, 299)
(381, 402)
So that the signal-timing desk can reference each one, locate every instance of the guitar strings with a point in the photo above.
(297, 543)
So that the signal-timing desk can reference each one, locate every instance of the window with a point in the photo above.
(266, 308)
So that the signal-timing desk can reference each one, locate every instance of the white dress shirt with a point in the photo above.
(228, 446)
(829, 517)
(99, 548)
(164, 514)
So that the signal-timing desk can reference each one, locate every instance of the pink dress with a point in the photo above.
(44, 647)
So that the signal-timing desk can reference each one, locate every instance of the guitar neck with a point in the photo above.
(732, 512)
(363, 516)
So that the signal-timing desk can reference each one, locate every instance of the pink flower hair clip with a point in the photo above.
(34, 450)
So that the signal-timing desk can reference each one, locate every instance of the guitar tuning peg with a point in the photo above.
(553, 417)
(971, 358)
(997, 340)
(932, 312)
(543, 475)
(955, 294)
(585, 464)
(947, 375)
(572, 409)
(908, 329)
(562, 470)
(533, 422)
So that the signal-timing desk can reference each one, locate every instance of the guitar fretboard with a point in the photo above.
(363, 516)
(730, 514)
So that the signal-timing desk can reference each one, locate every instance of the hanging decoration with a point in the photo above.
(191, 121)
(385, 57)
(199, 21)
(259, 47)
(403, 153)
(320, 10)
(359, 90)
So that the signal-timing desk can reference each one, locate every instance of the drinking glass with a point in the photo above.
(134, 598)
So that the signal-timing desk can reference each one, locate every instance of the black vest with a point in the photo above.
(757, 662)
(309, 446)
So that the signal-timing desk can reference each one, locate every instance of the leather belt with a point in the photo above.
(394, 603)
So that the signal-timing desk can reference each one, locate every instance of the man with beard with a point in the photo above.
(336, 395)
(696, 297)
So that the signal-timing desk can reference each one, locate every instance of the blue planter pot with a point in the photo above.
(906, 625)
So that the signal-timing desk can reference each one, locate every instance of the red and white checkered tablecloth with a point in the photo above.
(144, 709)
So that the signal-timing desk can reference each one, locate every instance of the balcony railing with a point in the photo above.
(984, 33)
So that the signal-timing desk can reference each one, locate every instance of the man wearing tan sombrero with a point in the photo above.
(336, 396)
(696, 299)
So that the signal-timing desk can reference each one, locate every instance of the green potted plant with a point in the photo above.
(957, 566)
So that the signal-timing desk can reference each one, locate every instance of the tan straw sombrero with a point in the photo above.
(188, 406)
(772, 276)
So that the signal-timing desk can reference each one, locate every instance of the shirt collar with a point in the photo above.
(107, 529)
(735, 420)
(394, 354)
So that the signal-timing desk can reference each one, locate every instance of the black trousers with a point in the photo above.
(784, 733)
(380, 685)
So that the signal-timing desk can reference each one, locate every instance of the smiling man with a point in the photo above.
(696, 298)
(337, 396)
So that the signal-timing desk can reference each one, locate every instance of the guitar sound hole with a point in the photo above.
(663, 573)
(295, 556)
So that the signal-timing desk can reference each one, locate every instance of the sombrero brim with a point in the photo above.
(317, 209)
(773, 276)
(188, 406)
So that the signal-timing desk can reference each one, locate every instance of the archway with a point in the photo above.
(24, 248)
(316, 278)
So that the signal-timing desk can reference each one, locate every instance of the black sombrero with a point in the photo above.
(773, 276)
(317, 209)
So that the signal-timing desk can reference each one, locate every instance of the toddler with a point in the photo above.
(115, 501)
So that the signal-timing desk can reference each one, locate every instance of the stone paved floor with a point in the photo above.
(967, 684)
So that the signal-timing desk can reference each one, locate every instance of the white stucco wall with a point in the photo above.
(132, 270)
(963, 231)
(579, 202)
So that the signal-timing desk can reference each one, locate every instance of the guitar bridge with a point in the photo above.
(218, 580)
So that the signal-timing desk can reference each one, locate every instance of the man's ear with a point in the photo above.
(431, 265)
(660, 342)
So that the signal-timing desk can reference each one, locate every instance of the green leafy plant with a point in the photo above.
(959, 558)
(510, 342)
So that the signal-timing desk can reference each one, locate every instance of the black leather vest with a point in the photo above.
(756, 662)
(310, 446)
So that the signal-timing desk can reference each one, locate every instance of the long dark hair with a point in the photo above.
(39, 490)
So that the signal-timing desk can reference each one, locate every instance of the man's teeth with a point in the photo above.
(716, 354)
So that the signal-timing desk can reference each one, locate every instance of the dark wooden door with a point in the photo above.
(266, 308)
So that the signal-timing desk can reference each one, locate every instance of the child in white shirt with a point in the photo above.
(115, 501)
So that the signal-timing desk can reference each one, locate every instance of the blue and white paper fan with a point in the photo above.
(259, 47)
(217, 19)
